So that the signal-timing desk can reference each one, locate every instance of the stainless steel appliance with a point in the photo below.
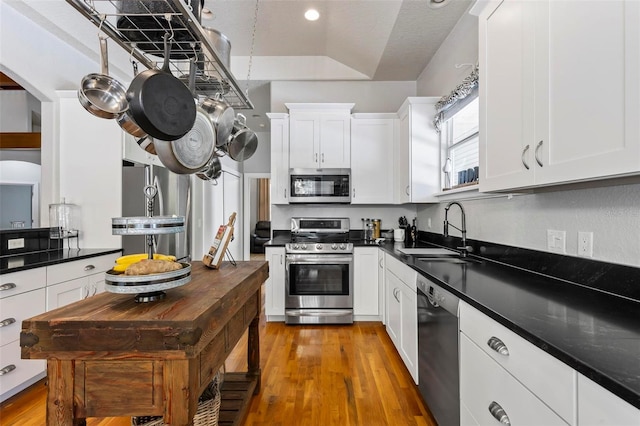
(438, 377)
(320, 186)
(173, 198)
(319, 272)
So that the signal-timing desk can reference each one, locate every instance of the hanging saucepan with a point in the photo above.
(100, 94)
(212, 170)
(243, 142)
(160, 103)
(190, 153)
(222, 115)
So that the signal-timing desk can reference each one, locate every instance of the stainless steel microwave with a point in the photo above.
(320, 186)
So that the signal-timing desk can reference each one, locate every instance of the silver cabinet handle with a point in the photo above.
(380, 263)
(395, 294)
(354, 193)
(285, 193)
(94, 289)
(498, 413)
(407, 190)
(524, 151)
(323, 157)
(281, 259)
(537, 151)
(316, 160)
(498, 346)
(89, 267)
(6, 322)
(7, 286)
(8, 369)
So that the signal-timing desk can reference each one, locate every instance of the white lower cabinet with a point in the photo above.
(381, 288)
(365, 279)
(77, 280)
(493, 396)
(22, 295)
(598, 406)
(402, 321)
(274, 286)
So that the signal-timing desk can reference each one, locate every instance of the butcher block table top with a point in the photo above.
(166, 352)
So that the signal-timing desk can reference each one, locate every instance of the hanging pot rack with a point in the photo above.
(214, 77)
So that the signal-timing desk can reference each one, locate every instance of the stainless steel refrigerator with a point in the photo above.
(173, 198)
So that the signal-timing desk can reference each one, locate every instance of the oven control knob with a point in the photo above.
(334, 246)
(296, 247)
(318, 246)
(343, 246)
(303, 246)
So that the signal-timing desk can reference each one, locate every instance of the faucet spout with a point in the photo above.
(463, 229)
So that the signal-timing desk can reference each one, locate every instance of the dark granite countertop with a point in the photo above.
(24, 261)
(592, 331)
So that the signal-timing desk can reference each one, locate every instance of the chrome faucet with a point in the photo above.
(465, 248)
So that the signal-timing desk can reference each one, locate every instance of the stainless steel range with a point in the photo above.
(319, 272)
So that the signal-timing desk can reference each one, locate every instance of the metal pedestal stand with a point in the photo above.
(148, 288)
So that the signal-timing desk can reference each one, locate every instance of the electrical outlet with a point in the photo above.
(16, 243)
(585, 244)
(556, 241)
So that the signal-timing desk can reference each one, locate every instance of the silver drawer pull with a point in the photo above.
(89, 267)
(524, 151)
(7, 286)
(8, 369)
(6, 322)
(498, 346)
(498, 413)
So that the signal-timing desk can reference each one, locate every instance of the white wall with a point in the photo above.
(611, 213)
(260, 161)
(15, 115)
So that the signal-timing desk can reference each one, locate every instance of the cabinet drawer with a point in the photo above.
(402, 271)
(24, 369)
(599, 407)
(485, 386)
(24, 281)
(17, 308)
(80, 268)
(548, 378)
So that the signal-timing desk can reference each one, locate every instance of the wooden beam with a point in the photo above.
(6, 83)
(20, 140)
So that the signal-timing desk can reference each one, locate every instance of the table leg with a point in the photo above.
(253, 353)
(177, 411)
(61, 378)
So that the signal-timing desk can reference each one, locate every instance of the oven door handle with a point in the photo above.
(311, 259)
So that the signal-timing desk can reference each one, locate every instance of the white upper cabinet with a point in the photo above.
(417, 153)
(279, 158)
(320, 136)
(372, 143)
(559, 94)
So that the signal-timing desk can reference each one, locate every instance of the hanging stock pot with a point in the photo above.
(243, 142)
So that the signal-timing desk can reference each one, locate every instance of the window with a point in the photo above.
(460, 142)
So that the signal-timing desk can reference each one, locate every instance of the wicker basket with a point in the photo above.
(208, 407)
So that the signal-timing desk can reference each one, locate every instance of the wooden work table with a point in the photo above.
(110, 356)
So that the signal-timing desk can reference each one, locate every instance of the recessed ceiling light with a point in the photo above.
(312, 15)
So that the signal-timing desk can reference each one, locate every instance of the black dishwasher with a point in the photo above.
(438, 376)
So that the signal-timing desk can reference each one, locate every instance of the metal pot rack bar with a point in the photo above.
(189, 41)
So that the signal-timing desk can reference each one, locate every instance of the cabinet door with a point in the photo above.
(598, 406)
(585, 49)
(372, 142)
(274, 286)
(365, 277)
(335, 140)
(401, 162)
(506, 54)
(409, 330)
(67, 292)
(18, 373)
(232, 203)
(304, 140)
(279, 160)
(381, 287)
(394, 310)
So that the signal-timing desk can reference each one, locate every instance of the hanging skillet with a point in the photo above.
(190, 153)
(160, 103)
(100, 94)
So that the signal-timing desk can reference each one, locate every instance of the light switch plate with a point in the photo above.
(557, 241)
(16, 243)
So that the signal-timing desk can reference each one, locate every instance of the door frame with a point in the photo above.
(246, 194)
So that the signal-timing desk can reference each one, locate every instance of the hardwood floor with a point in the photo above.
(311, 375)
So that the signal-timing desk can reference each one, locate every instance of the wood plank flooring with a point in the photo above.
(311, 375)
